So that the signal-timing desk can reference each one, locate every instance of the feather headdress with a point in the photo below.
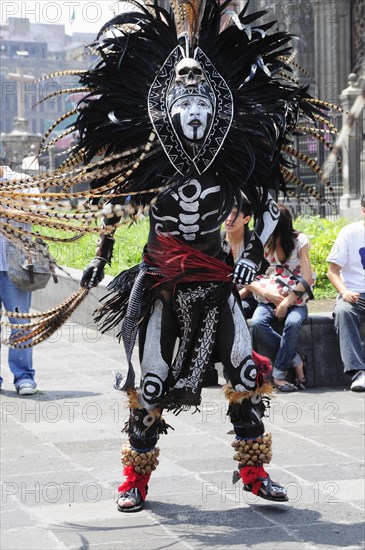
(128, 144)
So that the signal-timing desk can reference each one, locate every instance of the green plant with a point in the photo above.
(130, 241)
(322, 234)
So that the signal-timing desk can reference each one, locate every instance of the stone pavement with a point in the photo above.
(60, 453)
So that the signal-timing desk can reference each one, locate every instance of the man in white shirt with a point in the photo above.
(347, 274)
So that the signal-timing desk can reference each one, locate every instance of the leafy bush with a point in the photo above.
(129, 243)
(322, 234)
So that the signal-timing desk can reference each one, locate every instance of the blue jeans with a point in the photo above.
(348, 318)
(14, 299)
(284, 346)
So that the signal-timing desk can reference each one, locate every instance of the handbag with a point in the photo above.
(284, 280)
(29, 267)
(287, 279)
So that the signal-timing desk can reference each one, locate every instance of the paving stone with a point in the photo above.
(27, 538)
(15, 519)
(60, 478)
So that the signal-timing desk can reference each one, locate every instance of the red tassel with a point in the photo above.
(264, 367)
(134, 481)
(250, 475)
(182, 263)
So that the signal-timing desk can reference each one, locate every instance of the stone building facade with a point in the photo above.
(358, 37)
(329, 37)
(330, 43)
(29, 51)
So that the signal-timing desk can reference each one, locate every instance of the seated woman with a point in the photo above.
(287, 252)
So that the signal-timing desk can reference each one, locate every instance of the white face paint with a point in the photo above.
(194, 112)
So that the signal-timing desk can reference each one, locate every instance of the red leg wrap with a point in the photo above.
(134, 481)
(251, 475)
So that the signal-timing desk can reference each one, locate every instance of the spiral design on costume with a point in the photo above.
(248, 375)
(152, 387)
(148, 420)
(273, 210)
(256, 399)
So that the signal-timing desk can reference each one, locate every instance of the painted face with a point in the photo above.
(194, 114)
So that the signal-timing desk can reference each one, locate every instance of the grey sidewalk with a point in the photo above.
(61, 465)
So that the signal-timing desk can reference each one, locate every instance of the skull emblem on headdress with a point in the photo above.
(187, 110)
(189, 72)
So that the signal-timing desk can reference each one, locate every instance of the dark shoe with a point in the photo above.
(130, 501)
(269, 490)
(300, 383)
(210, 377)
(286, 388)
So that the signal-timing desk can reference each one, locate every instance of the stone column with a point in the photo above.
(20, 122)
(352, 145)
(51, 158)
(344, 39)
(332, 46)
(361, 83)
(325, 51)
